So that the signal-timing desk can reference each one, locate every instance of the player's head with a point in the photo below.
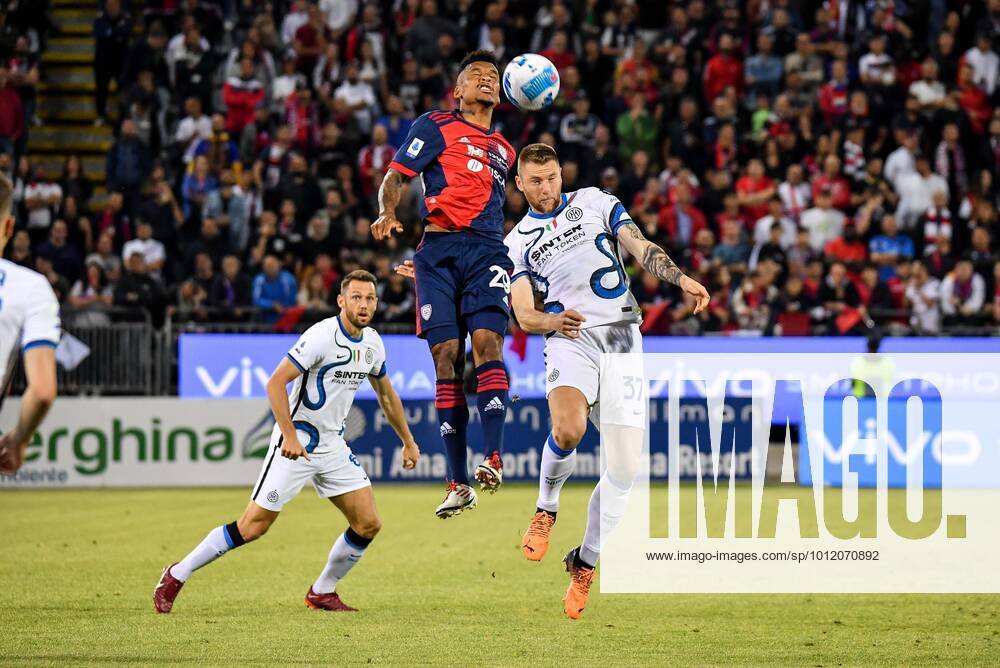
(357, 299)
(539, 177)
(478, 81)
(6, 211)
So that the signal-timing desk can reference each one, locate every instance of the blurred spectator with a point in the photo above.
(231, 289)
(374, 159)
(242, 94)
(137, 288)
(196, 187)
(754, 190)
(763, 231)
(230, 207)
(64, 257)
(682, 220)
(112, 30)
(823, 222)
(42, 198)
(74, 182)
(152, 251)
(127, 166)
(314, 294)
(916, 191)
(11, 115)
(889, 247)
(963, 293)
(984, 62)
(723, 70)
(274, 289)
(752, 301)
(923, 295)
(90, 297)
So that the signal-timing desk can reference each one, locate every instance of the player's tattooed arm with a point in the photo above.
(652, 258)
(656, 261)
(389, 194)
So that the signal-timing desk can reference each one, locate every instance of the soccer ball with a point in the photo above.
(531, 82)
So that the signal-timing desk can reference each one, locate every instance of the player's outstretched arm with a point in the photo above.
(285, 373)
(40, 372)
(656, 261)
(393, 409)
(533, 321)
(389, 194)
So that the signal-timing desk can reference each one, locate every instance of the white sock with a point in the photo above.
(601, 524)
(218, 541)
(556, 468)
(346, 551)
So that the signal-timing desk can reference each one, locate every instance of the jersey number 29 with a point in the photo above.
(501, 279)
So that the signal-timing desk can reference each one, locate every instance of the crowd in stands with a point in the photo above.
(822, 167)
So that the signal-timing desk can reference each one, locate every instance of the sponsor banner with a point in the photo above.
(237, 366)
(151, 442)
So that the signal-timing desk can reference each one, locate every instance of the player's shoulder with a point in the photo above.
(370, 335)
(437, 117)
(591, 197)
(31, 286)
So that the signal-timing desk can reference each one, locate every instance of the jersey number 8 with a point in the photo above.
(619, 288)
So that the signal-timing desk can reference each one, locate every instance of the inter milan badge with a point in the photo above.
(425, 311)
(369, 356)
(272, 496)
(574, 213)
(554, 375)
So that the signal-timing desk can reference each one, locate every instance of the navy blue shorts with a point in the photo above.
(463, 284)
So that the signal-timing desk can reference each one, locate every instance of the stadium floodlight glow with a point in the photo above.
(813, 473)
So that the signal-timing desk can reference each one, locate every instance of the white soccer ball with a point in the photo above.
(531, 82)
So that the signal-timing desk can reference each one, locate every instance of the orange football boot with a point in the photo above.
(535, 543)
(578, 591)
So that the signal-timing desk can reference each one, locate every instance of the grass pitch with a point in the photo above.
(77, 570)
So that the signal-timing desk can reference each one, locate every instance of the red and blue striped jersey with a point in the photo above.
(464, 171)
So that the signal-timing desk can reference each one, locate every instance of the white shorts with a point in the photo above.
(615, 384)
(332, 474)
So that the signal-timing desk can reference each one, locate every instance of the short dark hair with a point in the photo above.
(358, 275)
(479, 56)
(537, 154)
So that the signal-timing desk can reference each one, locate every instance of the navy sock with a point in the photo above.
(492, 404)
(453, 415)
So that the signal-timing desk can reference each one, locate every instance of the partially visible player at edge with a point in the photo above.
(29, 324)
(566, 249)
(461, 265)
(328, 364)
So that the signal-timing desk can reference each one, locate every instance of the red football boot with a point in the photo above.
(166, 591)
(329, 601)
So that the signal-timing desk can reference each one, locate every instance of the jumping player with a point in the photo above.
(29, 325)
(328, 364)
(566, 249)
(462, 268)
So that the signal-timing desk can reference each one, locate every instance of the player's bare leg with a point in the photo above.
(253, 524)
(568, 409)
(364, 524)
(453, 415)
(491, 400)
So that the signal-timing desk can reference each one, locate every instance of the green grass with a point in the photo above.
(77, 569)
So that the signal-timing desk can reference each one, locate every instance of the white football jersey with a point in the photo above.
(572, 257)
(29, 316)
(333, 366)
